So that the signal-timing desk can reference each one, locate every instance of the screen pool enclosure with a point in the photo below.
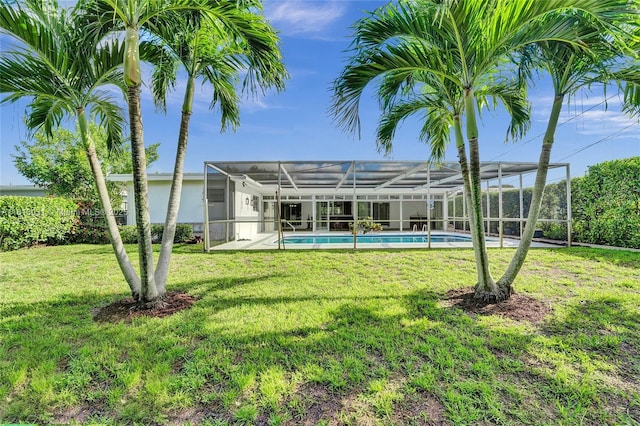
(246, 200)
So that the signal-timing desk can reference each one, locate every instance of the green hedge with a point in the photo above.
(96, 233)
(510, 209)
(129, 233)
(606, 204)
(25, 221)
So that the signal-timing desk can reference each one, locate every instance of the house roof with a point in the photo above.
(386, 176)
(157, 177)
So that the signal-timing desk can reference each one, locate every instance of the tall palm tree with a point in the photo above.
(572, 70)
(105, 17)
(150, 17)
(204, 51)
(440, 103)
(62, 75)
(466, 43)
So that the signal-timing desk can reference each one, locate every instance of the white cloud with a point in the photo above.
(600, 122)
(578, 102)
(304, 17)
(253, 104)
(587, 113)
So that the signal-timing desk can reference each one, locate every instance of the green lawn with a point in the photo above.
(320, 337)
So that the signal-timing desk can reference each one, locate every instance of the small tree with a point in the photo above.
(607, 59)
(59, 163)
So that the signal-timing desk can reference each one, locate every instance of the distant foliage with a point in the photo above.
(606, 204)
(554, 206)
(25, 221)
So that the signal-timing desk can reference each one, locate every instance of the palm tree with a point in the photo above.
(63, 75)
(572, 70)
(104, 17)
(465, 43)
(218, 58)
(151, 16)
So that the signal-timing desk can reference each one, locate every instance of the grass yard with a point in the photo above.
(320, 338)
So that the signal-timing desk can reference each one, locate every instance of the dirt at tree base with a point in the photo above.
(518, 307)
(127, 309)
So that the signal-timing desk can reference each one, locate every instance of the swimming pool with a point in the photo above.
(375, 239)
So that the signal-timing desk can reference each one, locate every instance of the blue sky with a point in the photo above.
(295, 125)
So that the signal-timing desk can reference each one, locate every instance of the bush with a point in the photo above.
(184, 233)
(554, 231)
(25, 221)
(129, 233)
(90, 226)
(606, 204)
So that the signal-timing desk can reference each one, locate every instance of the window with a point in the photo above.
(215, 195)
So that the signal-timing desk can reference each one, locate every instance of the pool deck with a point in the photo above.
(268, 241)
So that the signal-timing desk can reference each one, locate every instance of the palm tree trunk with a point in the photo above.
(149, 292)
(126, 267)
(486, 287)
(536, 199)
(464, 165)
(162, 269)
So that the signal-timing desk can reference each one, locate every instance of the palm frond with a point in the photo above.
(436, 131)
(46, 113)
(165, 71)
(54, 65)
(109, 115)
(224, 94)
(437, 121)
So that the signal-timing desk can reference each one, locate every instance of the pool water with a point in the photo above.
(375, 239)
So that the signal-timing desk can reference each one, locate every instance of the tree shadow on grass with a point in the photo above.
(601, 335)
(380, 359)
(210, 285)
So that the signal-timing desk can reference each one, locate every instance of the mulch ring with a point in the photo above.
(518, 307)
(127, 309)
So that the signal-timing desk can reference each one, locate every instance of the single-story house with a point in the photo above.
(23, 190)
(159, 184)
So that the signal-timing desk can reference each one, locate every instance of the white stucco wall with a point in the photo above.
(246, 212)
(191, 202)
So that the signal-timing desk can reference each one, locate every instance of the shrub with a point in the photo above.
(554, 231)
(184, 233)
(366, 225)
(25, 221)
(129, 233)
(606, 204)
(90, 227)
